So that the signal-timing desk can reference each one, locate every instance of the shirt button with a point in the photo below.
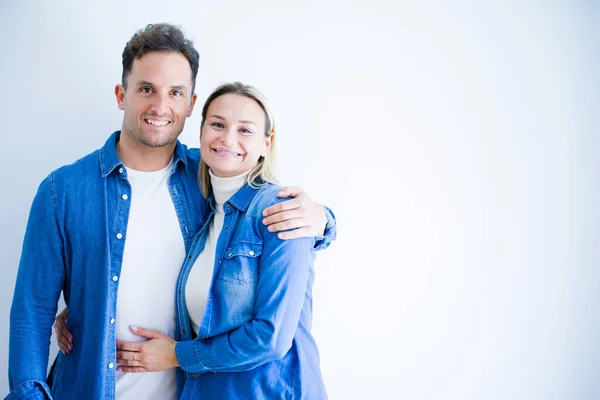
(210, 299)
(251, 252)
(111, 365)
(120, 170)
(193, 375)
(227, 206)
(115, 278)
(124, 197)
(219, 261)
(229, 255)
(227, 227)
(112, 320)
(119, 236)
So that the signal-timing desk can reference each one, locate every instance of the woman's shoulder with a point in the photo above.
(265, 196)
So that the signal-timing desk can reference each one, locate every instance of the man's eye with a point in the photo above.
(146, 90)
(177, 93)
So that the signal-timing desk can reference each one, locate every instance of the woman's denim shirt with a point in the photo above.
(254, 339)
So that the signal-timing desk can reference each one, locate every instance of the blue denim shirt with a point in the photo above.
(74, 243)
(254, 339)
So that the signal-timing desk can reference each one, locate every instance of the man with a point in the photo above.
(119, 221)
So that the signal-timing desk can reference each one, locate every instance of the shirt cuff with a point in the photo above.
(188, 359)
(323, 241)
(30, 390)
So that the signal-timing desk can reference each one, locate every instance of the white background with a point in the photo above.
(456, 142)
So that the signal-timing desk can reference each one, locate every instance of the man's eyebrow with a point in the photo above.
(179, 87)
(147, 83)
(144, 83)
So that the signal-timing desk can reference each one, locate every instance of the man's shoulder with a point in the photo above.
(82, 169)
(193, 153)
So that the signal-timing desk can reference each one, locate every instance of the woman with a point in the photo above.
(244, 302)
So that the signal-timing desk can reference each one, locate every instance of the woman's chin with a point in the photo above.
(225, 172)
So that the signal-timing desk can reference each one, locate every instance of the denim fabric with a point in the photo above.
(254, 340)
(74, 243)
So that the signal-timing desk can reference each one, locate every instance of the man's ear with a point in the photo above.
(120, 95)
(192, 103)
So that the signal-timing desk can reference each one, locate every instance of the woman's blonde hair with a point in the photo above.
(263, 171)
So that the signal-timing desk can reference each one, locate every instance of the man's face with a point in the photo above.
(158, 98)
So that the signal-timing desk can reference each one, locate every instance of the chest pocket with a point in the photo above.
(241, 263)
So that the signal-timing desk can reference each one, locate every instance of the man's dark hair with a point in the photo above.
(159, 37)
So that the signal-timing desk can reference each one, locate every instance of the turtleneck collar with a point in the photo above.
(224, 188)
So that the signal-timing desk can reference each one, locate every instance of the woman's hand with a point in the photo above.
(156, 354)
(63, 335)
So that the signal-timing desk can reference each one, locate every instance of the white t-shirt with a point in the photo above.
(198, 283)
(152, 258)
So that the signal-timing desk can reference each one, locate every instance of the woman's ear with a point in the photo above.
(268, 143)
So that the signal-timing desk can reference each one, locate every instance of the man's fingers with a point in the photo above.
(296, 233)
(283, 216)
(287, 224)
(283, 206)
(290, 191)
(128, 346)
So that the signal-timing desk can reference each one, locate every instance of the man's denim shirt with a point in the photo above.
(74, 243)
(257, 321)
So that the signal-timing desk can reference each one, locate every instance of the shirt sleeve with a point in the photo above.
(30, 390)
(39, 282)
(284, 274)
(323, 242)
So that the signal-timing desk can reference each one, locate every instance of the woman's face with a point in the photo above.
(232, 137)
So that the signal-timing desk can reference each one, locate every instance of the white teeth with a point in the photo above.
(228, 153)
(157, 123)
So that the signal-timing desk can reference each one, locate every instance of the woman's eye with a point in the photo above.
(217, 125)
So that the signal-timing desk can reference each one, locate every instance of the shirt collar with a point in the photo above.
(109, 160)
(240, 200)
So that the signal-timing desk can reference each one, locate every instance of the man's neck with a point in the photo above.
(138, 156)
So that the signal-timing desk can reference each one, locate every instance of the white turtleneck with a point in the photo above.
(198, 283)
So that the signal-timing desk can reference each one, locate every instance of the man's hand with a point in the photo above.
(156, 354)
(63, 335)
(301, 213)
